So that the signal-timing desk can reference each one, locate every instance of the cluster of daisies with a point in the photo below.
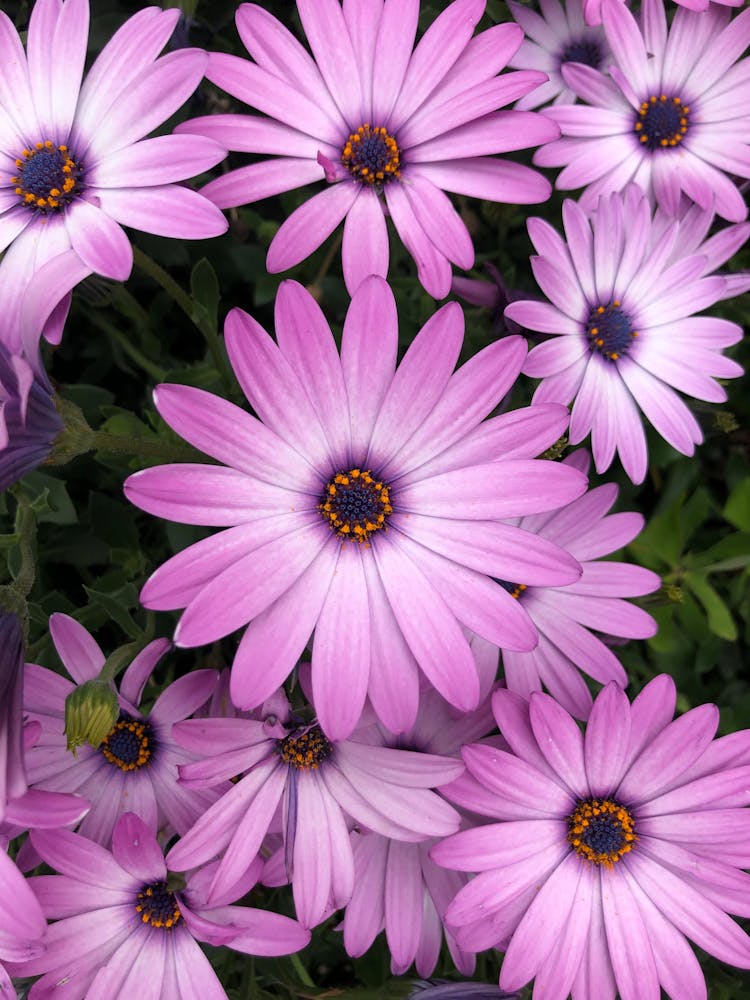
(390, 537)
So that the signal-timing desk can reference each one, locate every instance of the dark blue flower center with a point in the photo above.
(514, 589)
(48, 177)
(306, 750)
(157, 906)
(356, 504)
(585, 50)
(610, 331)
(601, 831)
(130, 743)
(662, 122)
(371, 155)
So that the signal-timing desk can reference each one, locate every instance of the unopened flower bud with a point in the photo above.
(91, 710)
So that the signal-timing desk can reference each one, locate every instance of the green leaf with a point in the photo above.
(737, 508)
(720, 620)
(51, 502)
(116, 605)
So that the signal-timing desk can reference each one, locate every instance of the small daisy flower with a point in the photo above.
(389, 128)
(672, 116)
(555, 37)
(608, 850)
(564, 616)
(365, 503)
(74, 164)
(135, 766)
(129, 928)
(623, 291)
(313, 790)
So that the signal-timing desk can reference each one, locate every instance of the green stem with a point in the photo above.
(181, 298)
(120, 445)
(150, 367)
(304, 976)
(26, 530)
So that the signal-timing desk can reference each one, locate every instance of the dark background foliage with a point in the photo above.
(92, 551)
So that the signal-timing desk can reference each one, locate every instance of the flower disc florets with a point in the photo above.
(584, 50)
(306, 750)
(130, 744)
(371, 155)
(48, 177)
(662, 122)
(157, 906)
(610, 330)
(356, 504)
(601, 831)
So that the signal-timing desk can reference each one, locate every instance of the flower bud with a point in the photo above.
(91, 710)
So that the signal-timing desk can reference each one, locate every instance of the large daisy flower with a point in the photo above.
(74, 165)
(623, 292)
(672, 116)
(391, 129)
(608, 850)
(366, 503)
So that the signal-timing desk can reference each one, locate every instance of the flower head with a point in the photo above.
(624, 290)
(389, 128)
(608, 849)
(313, 790)
(74, 164)
(135, 765)
(129, 918)
(367, 505)
(29, 422)
(556, 36)
(667, 116)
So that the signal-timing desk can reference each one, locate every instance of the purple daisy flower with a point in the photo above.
(29, 422)
(352, 451)
(128, 928)
(22, 807)
(564, 615)
(135, 767)
(623, 293)
(22, 923)
(74, 165)
(397, 886)
(442, 989)
(312, 790)
(611, 848)
(557, 36)
(376, 119)
(671, 117)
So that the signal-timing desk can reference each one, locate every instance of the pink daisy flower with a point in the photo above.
(312, 790)
(129, 928)
(391, 129)
(563, 616)
(367, 505)
(22, 923)
(592, 9)
(672, 115)
(555, 37)
(135, 767)
(609, 850)
(74, 164)
(623, 292)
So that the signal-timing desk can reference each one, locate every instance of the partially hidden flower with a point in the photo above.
(74, 163)
(565, 616)
(389, 128)
(128, 927)
(22, 923)
(134, 768)
(312, 790)
(609, 849)
(556, 36)
(670, 116)
(444, 989)
(624, 290)
(29, 422)
(365, 503)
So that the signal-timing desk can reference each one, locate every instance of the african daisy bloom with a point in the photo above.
(135, 766)
(313, 790)
(671, 116)
(557, 35)
(134, 925)
(563, 616)
(389, 128)
(74, 164)
(22, 923)
(365, 503)
(609, 850)
(623, 292)
(592, 9)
